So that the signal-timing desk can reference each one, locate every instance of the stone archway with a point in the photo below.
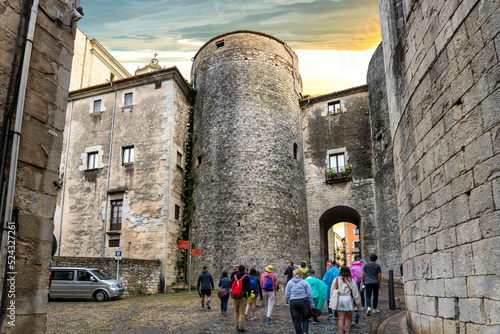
(338, 214)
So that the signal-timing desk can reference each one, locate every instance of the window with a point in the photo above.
(116, 215)
(219, 44)
(129, 99)
(295, 151)
(179, 159)
(97, 106)
(114, 243)
(128, 155)
(177, 212)
(356, 244)
(83, 275)
(92, 160)
(158, 85)
(356, 231)
(334, 108)
(63, 275)
(337, 162)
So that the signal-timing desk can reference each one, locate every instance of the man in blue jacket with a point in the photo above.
(328, 279)
(206, 283)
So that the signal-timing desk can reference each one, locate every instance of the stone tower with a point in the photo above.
(250, 190)
(442, 73)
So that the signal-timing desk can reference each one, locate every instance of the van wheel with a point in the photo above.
(100, 296)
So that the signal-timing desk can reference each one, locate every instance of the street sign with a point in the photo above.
(183, 244)
(118, 255)
(196, 252)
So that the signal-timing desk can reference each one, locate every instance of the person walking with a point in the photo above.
(240, 290)
(255, 284)
(330, 275)
(289, 274)
(299, 295)
(348, 298)
(224, 283)
(371, 276)
(205, 286)
(319, 290)
(259, 299)
(303, 267)
(356, 269)
(269, 282)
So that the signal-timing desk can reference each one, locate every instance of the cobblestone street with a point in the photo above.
(181, 313)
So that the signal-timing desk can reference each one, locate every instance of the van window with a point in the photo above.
(100, 274)
(62, 275)
(83, 276)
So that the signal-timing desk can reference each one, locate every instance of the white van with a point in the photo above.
(83, 283)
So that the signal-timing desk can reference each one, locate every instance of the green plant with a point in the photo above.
(380, 94)
(346, 170)
(330, 172)
(140, 290)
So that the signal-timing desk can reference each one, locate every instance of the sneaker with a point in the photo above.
(241, 330)
(286, 304)
(330, 315)
(277, 304)
(203, 307)
(362, 308)
(253, 318)
(208, 305)
(369, 311)
(269, 321)
(376, 310)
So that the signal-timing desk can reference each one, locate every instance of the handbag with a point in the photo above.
(334, 296)
(222, 293)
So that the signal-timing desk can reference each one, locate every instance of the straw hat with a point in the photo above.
(270, 269)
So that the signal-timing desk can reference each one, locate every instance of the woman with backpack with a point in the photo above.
(344, 297)
(269, 282)
(223, 293)
(255, 283)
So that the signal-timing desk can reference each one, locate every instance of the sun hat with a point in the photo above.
(270, 269)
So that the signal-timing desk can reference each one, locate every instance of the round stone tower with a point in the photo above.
(250, 190)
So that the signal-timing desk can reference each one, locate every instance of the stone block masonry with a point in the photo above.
(40, 148)
(443, 96)
(250, 192)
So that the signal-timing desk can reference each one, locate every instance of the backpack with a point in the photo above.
(269, 286)
(237, 288)
(253, 281)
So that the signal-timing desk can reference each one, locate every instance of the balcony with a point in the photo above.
(332, 176)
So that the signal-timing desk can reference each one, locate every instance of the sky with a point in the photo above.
(334, 39)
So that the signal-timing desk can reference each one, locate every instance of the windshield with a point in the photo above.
(100, 274)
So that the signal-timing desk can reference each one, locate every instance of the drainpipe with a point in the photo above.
(16, 142)
(305, 178)
(64, 178)
(303, 153)
(109, 172)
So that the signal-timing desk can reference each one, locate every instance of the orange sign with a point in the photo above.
(196, 252)
(183, 244)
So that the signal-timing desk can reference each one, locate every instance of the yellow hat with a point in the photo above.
(270, 269)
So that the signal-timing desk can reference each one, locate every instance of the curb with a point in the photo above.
(381, 328)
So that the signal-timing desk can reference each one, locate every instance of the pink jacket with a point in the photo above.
(356, 269)
(264, 278)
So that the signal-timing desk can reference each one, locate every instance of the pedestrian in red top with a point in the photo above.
(269, 284)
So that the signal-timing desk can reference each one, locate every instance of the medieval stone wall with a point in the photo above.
(443, 91)
(349, 200)
(383, 168)
(39, 154)
(250, 192)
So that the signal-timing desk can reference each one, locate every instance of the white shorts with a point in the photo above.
(345, 304)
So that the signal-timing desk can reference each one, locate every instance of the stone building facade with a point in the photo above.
(92, 64)
(250, 190)
(442, 73)
(43, 110)
(123, 169)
